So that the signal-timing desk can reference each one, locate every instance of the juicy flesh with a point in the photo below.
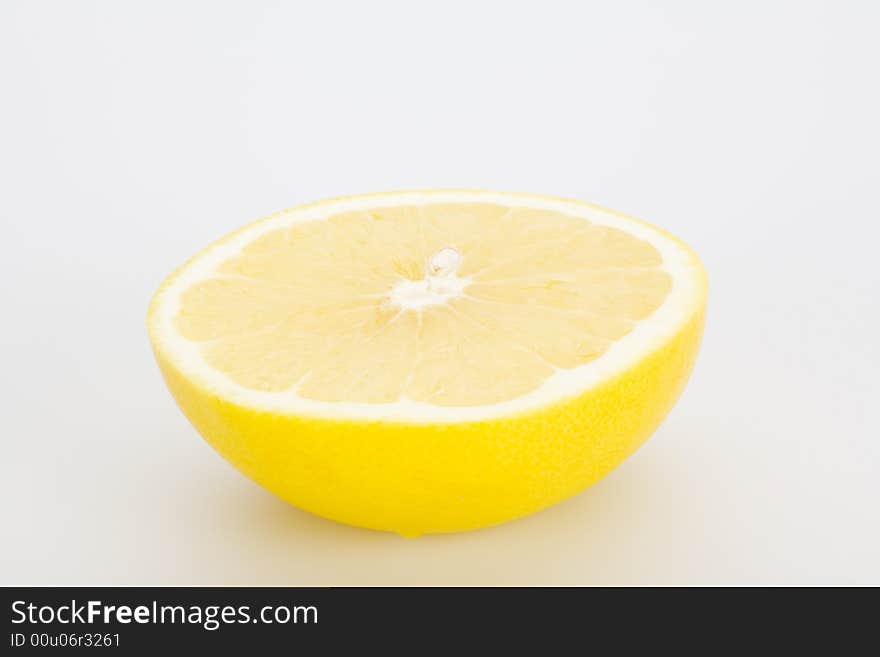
(447, 304)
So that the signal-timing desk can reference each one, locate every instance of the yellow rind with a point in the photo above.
(416, 478)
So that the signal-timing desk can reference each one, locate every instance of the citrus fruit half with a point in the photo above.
(431, 361)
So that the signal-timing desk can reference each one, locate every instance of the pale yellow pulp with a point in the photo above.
(450, 304)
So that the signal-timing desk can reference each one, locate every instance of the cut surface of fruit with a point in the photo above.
(424, 307)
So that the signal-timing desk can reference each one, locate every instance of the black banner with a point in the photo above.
(147, 620)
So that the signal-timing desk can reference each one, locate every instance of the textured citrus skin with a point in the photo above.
(414, 478)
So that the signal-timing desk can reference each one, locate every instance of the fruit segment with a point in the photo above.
(450, 304)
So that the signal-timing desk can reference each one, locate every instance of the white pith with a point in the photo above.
(649, 334)
(439, 285)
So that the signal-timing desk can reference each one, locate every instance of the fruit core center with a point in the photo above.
(438, 286)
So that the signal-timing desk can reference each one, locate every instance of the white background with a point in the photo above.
(132, 134)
